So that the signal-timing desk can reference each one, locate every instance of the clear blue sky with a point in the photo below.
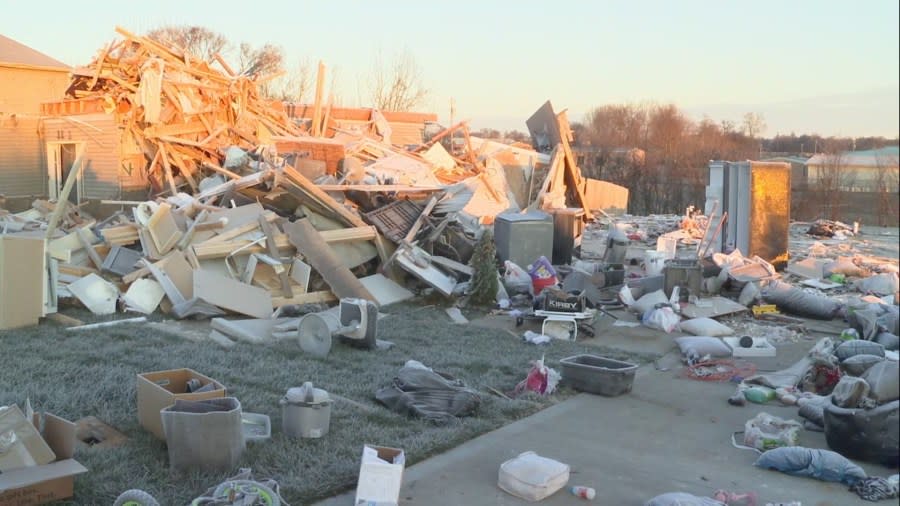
(809, 66)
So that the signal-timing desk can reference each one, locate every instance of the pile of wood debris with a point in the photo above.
(253, 212)
(179, 110)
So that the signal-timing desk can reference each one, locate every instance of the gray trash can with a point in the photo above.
(204, 435)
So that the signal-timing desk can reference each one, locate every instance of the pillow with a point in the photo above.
(858, 364)
(706, 327)
(855, 347)
(694, 347)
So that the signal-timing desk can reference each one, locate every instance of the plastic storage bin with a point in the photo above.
(598, 375)
(256, 426)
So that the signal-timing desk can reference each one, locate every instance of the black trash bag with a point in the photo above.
(872, 435)
(794, 300)
(434, 396)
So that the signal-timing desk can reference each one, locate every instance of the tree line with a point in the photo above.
(661, 155)
(390, 85)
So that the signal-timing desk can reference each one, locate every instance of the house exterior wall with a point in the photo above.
(105, 175)
(22, 90)
(22, 155)
(22, 161)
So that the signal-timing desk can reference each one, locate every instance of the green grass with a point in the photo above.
(81, 374)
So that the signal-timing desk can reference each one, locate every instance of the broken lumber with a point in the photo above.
(322, 258)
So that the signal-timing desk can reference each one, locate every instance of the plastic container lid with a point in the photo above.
(307, 395)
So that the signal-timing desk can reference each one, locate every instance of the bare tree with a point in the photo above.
(396, 86)
(886, 185)
(204, 43)
(294, 86)
(265, 60)
(754, 124)
(832, 180)
(199, 41)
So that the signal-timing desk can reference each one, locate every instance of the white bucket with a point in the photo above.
(654, 262)
(667, 245)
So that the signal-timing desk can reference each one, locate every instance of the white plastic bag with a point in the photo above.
(532, 477)
(625, 296)
(764, 432)
(515, 279)
(663, 318)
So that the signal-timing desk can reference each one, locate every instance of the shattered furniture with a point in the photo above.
(21, 280)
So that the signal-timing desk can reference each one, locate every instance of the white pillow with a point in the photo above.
(706, 327)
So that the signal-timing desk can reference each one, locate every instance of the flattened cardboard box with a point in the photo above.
(159, 390)
(50, 482)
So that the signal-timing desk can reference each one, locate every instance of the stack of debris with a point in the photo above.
(253, 212)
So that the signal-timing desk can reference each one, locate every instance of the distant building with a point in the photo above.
(27, 78)
(859, 169)
(799, 173)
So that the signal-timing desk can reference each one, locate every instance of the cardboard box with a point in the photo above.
(380, 476)
(159, 390)
(28, 447)
(50, 482)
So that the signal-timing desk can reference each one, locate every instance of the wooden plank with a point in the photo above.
(323, 259)
(395, 188)
(571, 165)
(167, 168)
(215, 248)
(76, 270)
(131, 277)
(308, 189)
(317, 107)
(86, 244)
(271, 246)
(232, 295)
(220, 170)
(63, 196)
(322, 297)
(368, 233)
(224, 65)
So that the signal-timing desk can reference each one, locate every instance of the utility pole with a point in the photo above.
(452, 115)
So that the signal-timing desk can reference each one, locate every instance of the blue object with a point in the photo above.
(822, 465)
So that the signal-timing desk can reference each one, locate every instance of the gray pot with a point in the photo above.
(305, 412)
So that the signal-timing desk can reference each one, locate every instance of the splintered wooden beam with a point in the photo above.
(571, 165)
(309, 189)
(272, 247)
(317, 108)
(441, 135)
(324, 260)
(224, 64)
(167, 168)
